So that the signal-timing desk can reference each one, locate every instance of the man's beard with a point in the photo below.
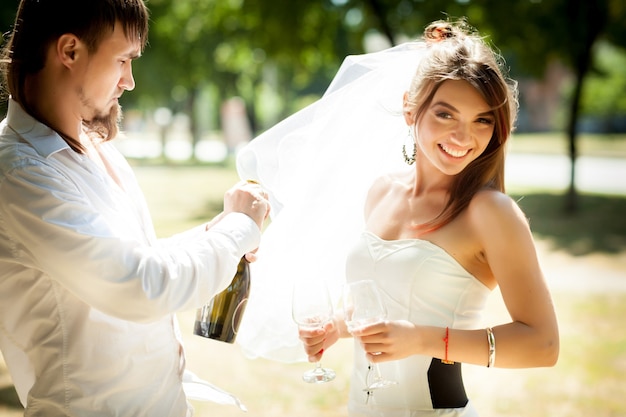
(106, 125)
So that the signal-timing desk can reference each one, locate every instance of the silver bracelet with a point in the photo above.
(491, 338)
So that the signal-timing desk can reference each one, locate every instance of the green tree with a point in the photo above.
(603, 96)
(233, 45)
(569, 30)
(175, 67)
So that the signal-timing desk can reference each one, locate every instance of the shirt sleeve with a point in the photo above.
(93, 243)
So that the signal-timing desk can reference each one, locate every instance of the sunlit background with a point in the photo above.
(217, 73)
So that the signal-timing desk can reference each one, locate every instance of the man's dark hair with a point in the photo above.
(40, 22)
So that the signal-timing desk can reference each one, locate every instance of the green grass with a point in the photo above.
(599, 225)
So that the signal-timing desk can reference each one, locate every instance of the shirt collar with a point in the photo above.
(45, 140)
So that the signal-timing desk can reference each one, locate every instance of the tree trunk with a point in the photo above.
(193, 121)
(378, 10)
(251, 104)
(588, 19)
(571, 198)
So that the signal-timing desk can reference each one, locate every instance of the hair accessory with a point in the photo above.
(446, 340)
(491, 338)
(409, 160)
(439, 32)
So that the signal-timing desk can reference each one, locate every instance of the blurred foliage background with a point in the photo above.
(275, 57)
(263, 60)
(278, 56)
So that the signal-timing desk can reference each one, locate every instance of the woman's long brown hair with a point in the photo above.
(456, 52)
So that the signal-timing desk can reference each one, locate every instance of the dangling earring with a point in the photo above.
(409, 160)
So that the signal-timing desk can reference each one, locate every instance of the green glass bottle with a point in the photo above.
(219, 319)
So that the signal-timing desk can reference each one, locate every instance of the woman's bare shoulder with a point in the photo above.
(495, 215)
(487, 203)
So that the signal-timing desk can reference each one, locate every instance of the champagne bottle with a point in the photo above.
(219, 319)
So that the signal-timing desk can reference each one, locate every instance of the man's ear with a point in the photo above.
(67, 49)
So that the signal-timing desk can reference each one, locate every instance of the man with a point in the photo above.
(87, 292)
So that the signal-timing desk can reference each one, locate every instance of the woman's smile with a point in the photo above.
(455, 153)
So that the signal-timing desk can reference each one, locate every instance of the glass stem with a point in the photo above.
(377, 375)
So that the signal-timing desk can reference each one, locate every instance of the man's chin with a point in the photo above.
(107, 125)
(114, 111)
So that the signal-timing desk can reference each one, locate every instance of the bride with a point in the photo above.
(397, 175)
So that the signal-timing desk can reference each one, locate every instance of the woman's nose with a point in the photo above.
(462, 133)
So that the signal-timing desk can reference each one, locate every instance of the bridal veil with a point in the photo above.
(317, 166)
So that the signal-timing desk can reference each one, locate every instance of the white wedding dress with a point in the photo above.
(421, 283)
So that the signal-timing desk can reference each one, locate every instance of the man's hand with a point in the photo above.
(249, 198)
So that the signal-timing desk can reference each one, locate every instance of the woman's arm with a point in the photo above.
(531, 339)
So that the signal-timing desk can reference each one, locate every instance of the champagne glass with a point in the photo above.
(312, 309)
(363, 305)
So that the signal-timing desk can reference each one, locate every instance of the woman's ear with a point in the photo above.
(408, 110)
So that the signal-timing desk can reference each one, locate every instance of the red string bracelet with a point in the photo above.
(446, 340)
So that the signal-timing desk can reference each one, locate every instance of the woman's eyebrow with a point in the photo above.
(454, 109)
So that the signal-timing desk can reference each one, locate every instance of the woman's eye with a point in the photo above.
(444, 115)
(485, 120)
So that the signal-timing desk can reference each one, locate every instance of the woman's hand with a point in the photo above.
(389, 340)
(317, 341)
